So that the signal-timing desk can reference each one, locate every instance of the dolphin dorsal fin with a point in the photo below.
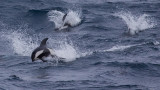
(43, 42)
(64, 17)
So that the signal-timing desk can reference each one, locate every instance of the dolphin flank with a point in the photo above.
(42, 51)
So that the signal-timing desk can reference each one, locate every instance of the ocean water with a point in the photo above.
(112, 44)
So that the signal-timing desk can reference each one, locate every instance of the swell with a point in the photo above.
(87, 84)
(133, 68)
(119, 87)
(127, 64)
(46, 10)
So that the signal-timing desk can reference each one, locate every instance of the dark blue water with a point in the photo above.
(100, 53)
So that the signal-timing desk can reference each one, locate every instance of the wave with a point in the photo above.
(73, 18)
(137, 23)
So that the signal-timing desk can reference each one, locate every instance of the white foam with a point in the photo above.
(136, 23)
(18, 42)
(121, 47)
(73, 18)
(156, 43)
(118, 48)
(21, 44)
(68, 52)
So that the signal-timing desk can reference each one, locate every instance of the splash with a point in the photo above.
(136, 24)
(18, 41)
(73, 18)
(24, 45)
(67, 51)
(21, 43)
(64, 48)
(56, 17)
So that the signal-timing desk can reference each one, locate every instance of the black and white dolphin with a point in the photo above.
(42, 51)
(66, 23)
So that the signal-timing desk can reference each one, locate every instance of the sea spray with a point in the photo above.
(136, 23)
(67, 51)
(73, 18)
(56, 17)
(21, 44)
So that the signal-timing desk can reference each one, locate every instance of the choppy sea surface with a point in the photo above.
(113, 44)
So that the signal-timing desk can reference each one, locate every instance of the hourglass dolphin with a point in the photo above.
(42, 51)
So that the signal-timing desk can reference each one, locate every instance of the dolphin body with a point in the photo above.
(42, 51)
